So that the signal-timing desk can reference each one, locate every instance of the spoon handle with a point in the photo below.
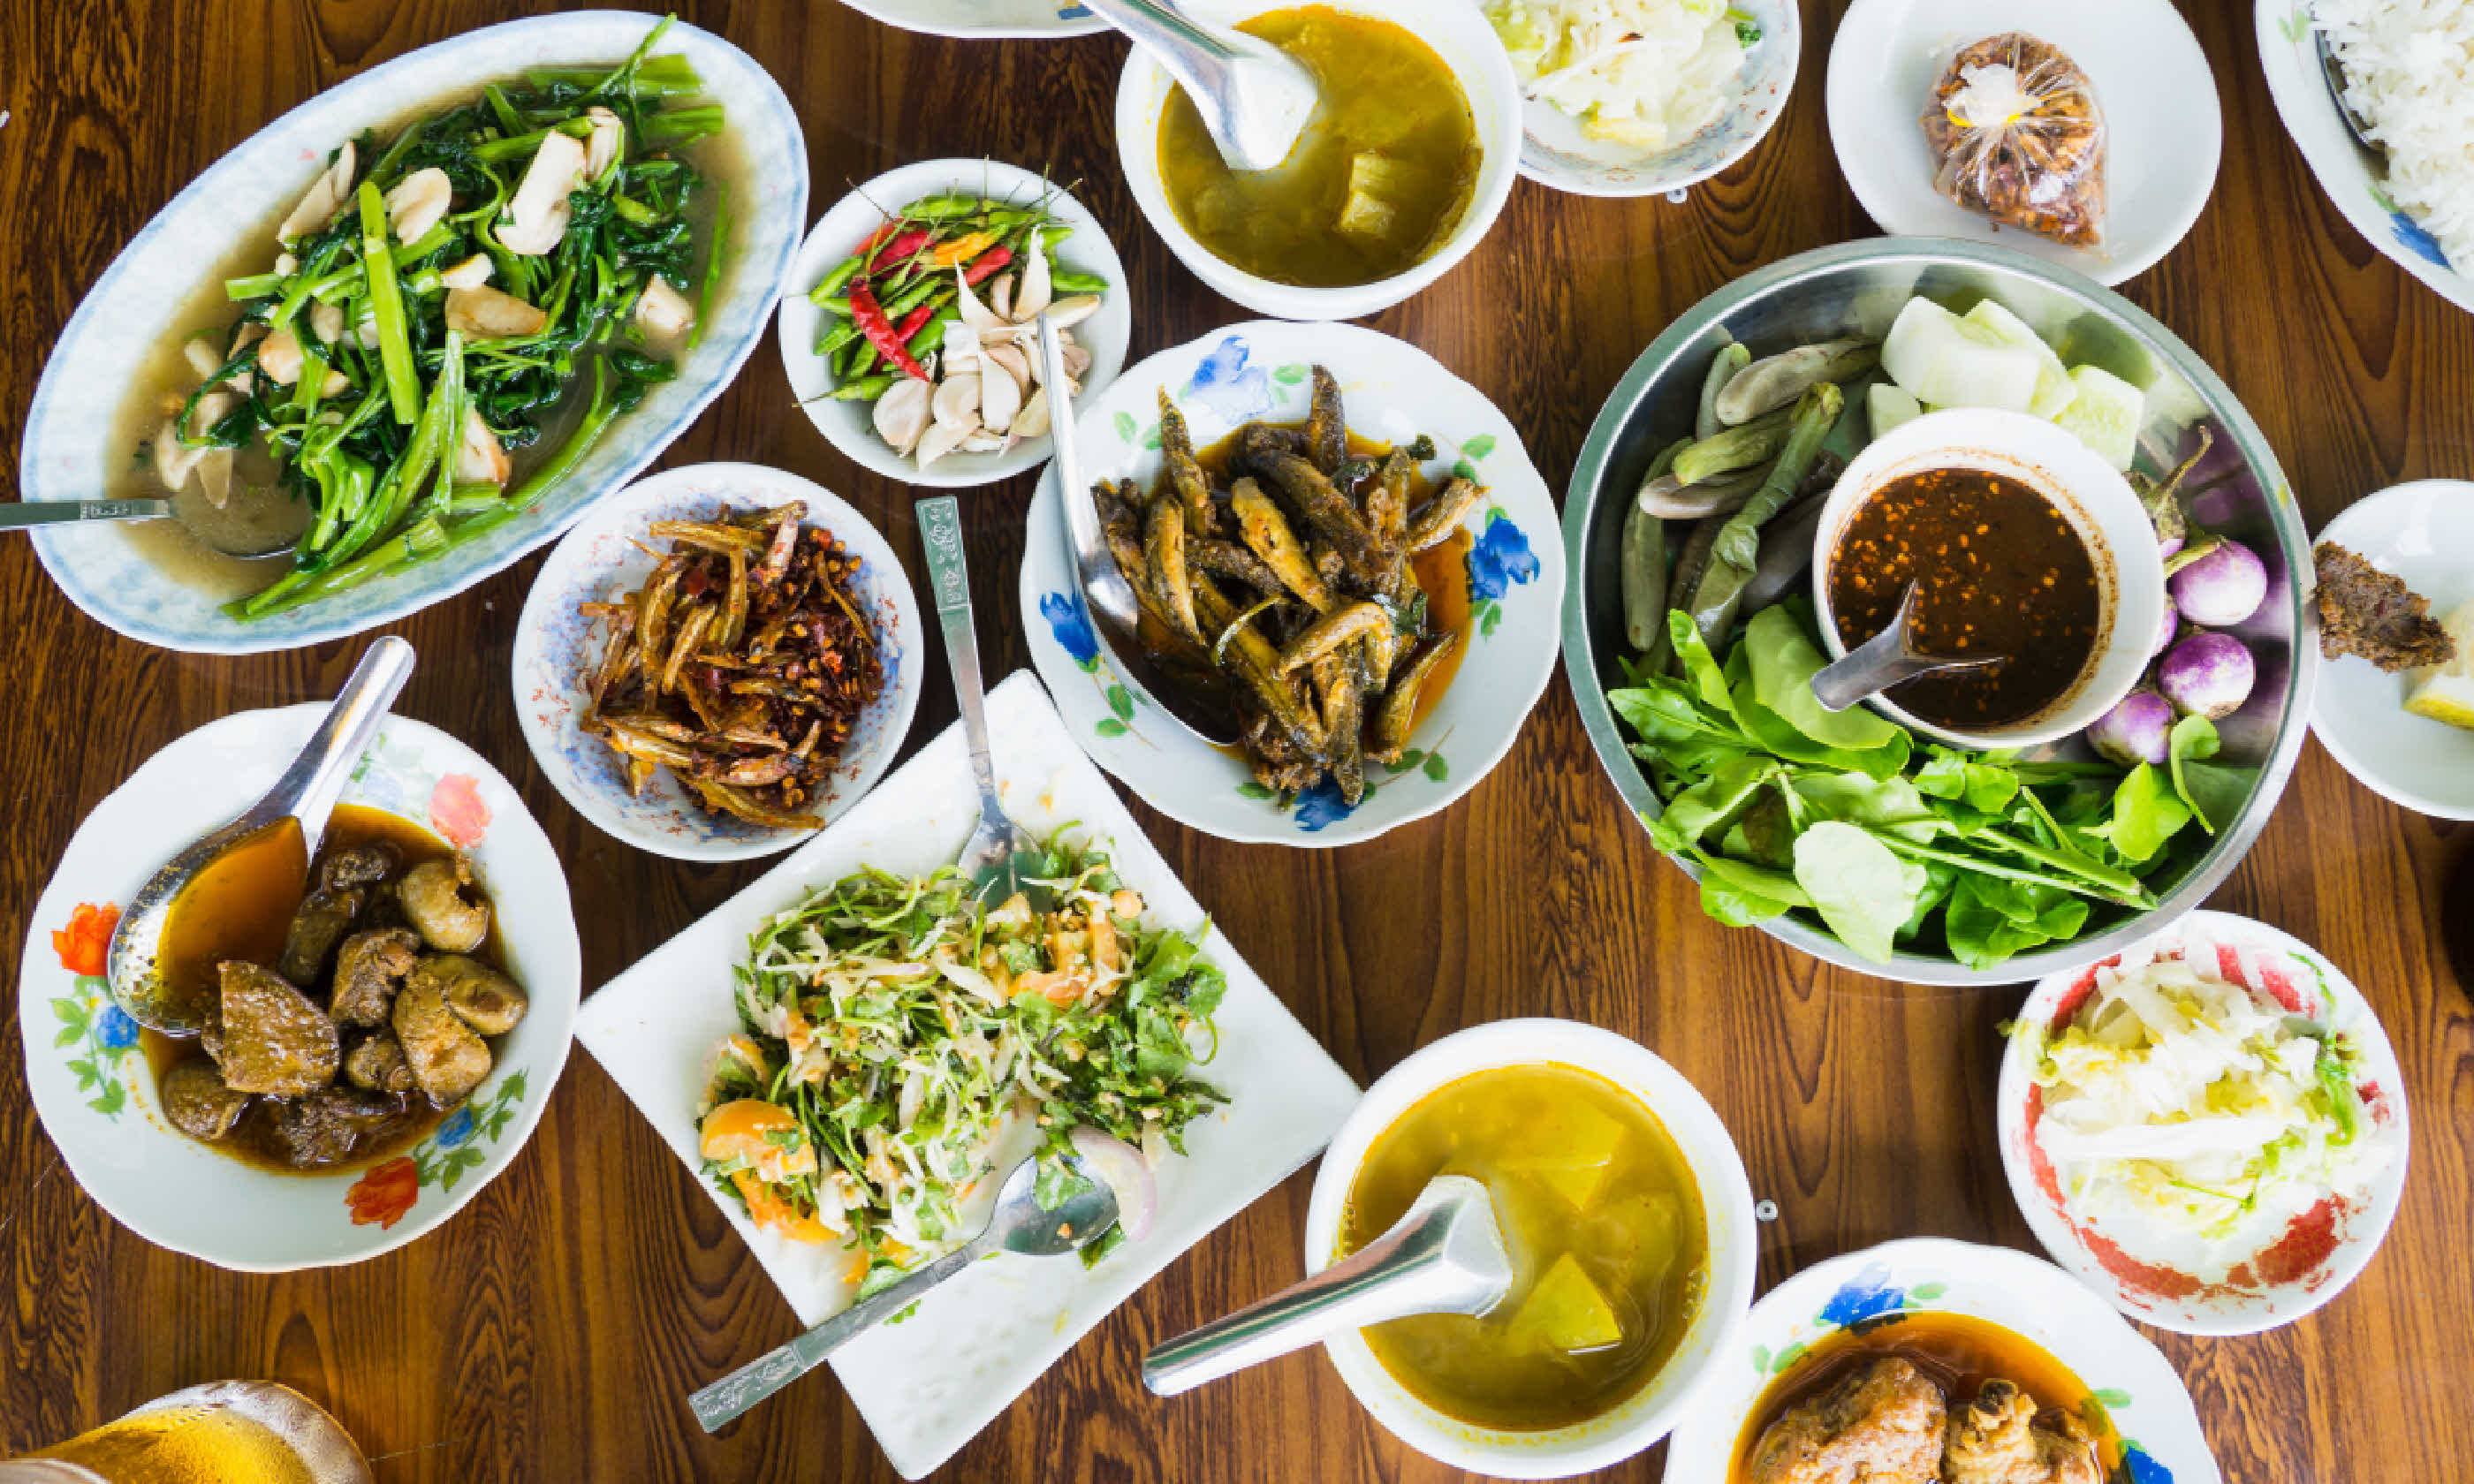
(734, 1393)
(949, 575)
(1178, 41)
(308, 789)
(1403, 1272)
(16, 514)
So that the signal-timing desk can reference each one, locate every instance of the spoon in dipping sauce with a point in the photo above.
(232, 537)
(299, 802)
(1254, 98)
(1886, 660)
(1445, 1256)
(1020, 1224)
(1196, 695)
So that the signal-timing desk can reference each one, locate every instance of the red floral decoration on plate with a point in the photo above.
(385, 1193)
(85, 945)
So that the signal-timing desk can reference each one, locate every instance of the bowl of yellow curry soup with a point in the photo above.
(1405, 165)
(1624, 1206)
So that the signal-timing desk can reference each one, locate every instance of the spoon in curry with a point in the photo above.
(1253, 98)
(1198, 698)
(1020, 1224)
(307, 793)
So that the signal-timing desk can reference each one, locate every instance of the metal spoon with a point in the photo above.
(21, 515)
(308, 792)
(1001, 854)
(1444, 1257)
(1254, 98)
(1886, 660)
(2333, 72)
(1199, 698)
(1018, 1225)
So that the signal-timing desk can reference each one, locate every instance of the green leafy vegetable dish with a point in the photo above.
(1894, 844)
(897, 1033)
(452, 317)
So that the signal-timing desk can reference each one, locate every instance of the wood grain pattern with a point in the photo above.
(552, 1331)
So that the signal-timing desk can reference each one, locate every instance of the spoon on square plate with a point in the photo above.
(1445, 1256)
(1020, 1224)
(1254, 98)
(306, 793)
(1886, 660)
(1198, 698)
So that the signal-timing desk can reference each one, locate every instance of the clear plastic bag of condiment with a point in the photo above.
(2017, 135)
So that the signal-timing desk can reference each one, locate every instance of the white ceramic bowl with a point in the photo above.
(1556, 154)
(557, 648)
(1393, 390)
(127, 317)
(2422, 532)
(2170, 1292)
(976, 20)
(1726, 1200)
(1459, 35)
(2288, 57)
(2164, 130)
(2097, 501)
(89, 1076)
(850, 426)
(2132, 1380)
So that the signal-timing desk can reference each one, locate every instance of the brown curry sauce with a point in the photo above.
(2000, 570)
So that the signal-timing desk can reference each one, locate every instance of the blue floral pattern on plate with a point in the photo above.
(1225, 383)
(1868, 1295)
(1071, 624)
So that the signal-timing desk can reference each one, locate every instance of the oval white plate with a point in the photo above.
(2149, 1406)
(2259, 957)
(850, 426)
(983, 19)
(1555, 154)
(2163, 127)
(557, 648)
(2290, 59)
(2423, 533)
(1391, 391)
(89, 1079)
(137, 300)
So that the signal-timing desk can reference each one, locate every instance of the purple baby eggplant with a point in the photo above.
(2206, 675)
(2223, 587)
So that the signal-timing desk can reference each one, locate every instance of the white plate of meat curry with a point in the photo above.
(1934, 1359)
(383, 1040)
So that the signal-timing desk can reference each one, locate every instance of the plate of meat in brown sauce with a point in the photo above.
(384, 1015)
(1930, 1361)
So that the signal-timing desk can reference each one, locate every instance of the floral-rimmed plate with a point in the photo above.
(557, 648)
(928, 1383)
(2289, 56)
(1393, 390)
(2146, 1401)
(2165, 1277)
(90, 1077)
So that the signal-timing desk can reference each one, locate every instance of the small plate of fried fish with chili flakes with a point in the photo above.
(1348, 537)
(717, 661)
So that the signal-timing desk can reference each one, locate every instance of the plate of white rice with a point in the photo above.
(2407, 77)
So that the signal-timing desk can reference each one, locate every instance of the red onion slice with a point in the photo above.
(1120, 1165)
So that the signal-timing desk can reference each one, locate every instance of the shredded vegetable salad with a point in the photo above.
(1650, 73)
(2177, 1095)
(894, 1029)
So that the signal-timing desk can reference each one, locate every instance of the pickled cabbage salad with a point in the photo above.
(2177, 1100)
(1645, 73)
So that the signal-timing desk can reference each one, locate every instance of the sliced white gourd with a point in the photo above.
(1888, 404)
(2054, 391)
(2105, 412)
(1945, 361)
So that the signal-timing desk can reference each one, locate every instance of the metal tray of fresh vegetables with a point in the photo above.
(1908, 858)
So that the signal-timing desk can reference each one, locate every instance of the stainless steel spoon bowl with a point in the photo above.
(23, 515)
(306, 792)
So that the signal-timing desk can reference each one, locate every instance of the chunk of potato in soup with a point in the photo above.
(1380, 178)
(1604, 1221)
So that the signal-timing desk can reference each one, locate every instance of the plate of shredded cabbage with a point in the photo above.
(1646, 97)
(2210, 1127)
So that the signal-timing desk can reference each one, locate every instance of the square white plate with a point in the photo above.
(928, 1383)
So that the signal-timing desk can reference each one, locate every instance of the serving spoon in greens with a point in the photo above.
(1020, 1224)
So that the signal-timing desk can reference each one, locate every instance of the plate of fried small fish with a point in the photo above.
(1341, 530)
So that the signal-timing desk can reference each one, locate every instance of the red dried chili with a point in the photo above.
(869, 316)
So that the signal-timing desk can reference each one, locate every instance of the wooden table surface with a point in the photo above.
(552, 1331)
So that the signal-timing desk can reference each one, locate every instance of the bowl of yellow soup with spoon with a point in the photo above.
(1405, 164)
(1624, 1206)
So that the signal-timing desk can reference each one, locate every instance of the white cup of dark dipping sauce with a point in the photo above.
(2092, 499)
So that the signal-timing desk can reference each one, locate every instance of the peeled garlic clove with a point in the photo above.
(1001, 296)
(986, 443)
(957, 401)
(975, 314)
(1036, 291)
(1016, 364)
(962, 346)
(1066, 313)
(1032, 420)
(418, 203)
(1000, 400)
(1078, 360)
(942, 438)
(902, 414)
